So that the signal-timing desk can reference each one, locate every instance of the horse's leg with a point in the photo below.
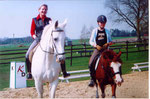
(39, 88)
(53, 88)
(113, 86)
(102, 86)
(97, 96)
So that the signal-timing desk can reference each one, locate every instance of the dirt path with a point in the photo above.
(135, 86)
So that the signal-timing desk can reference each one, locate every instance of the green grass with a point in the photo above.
(121, 37)
(82, 63)
(77, 41)
(77, 64)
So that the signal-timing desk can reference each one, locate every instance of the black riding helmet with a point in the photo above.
(102, 19)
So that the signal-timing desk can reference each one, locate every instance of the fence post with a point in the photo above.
(138, 46)
(144, 41)
(127, 42)
(71, 56)
(85, 48)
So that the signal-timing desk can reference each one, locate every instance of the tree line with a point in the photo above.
(86, 33)
(24, 40)
(122, 33)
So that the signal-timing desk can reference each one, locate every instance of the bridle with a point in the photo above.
(53, 43)
(107, 70)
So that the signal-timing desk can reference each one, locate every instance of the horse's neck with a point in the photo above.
(46, 42)
(46, 47)
(103, 63)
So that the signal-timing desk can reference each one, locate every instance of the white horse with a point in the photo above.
(45, 61)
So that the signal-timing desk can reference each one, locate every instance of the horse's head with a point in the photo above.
(58, 40)
(114, 65)
(53, 39)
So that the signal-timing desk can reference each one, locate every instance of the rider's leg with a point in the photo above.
(28, 63)
(91, 67)
(63, 68)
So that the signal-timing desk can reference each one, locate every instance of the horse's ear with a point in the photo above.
(105, 56)
(117, 57)
(50, 22)
(63, 24)
(56, 24)
(119, 54)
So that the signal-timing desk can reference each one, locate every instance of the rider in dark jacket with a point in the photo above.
(37, 26)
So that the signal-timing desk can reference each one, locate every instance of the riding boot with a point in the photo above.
(92, 73)
(91, 83)
(28, 64)
(63, 68)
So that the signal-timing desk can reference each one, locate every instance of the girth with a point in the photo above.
(32, 52)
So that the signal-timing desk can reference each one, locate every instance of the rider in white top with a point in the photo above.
(100, 39)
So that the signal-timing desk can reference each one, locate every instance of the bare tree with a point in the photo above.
(133, 12)
(85, 33)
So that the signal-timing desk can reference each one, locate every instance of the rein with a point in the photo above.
(44, 50)
(109, 74)
(116, 73)
(57, 30)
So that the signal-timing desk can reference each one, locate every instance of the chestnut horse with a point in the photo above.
(108, 72)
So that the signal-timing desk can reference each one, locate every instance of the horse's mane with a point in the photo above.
(108, 54)
(111, 55)
(45, 30)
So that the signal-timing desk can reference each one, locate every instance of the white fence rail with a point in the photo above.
(139, 66)
(76, 74)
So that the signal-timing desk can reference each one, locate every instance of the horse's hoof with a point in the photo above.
(97, 96)
(103, 95)
(113, 96)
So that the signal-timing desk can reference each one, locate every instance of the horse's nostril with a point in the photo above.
(122, 81)
(61, 59)
(116, 81)
(119, 84)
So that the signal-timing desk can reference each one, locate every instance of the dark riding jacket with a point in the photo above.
(38, 25)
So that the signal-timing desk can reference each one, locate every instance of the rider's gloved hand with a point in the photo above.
(98, 47)
(107, 44)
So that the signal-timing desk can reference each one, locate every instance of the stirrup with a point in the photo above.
(91, 83)
(29, 76)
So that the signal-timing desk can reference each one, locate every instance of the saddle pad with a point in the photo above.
(32, 52)
(97, 61)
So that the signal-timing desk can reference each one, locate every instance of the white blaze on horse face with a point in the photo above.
(59, 38)
(116, 66)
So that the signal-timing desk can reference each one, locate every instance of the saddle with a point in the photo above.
(32, 52)
(94, 66)
(96, 62)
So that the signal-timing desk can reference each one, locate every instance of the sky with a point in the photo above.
(16, 16)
